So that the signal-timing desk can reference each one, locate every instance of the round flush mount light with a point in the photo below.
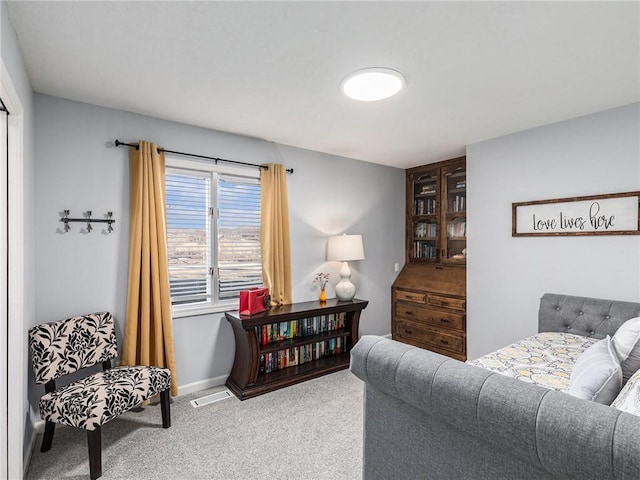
(371, 84)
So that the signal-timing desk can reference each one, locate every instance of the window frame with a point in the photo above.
(203, 166)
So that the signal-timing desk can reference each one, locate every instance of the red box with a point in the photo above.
(254, 300)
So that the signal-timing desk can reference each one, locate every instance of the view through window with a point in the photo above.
(213, 236)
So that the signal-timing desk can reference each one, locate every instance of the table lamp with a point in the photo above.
(345, 248)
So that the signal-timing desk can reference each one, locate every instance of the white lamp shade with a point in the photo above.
(344, 248)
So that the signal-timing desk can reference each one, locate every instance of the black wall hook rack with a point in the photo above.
(88, 220)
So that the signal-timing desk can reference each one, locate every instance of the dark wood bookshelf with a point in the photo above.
(246, 380)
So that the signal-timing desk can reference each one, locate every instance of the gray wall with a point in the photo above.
(78, 170)
(12, 60)
(591, 155)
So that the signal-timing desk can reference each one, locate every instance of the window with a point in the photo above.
(213, 235)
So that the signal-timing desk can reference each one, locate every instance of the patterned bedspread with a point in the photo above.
(545, 359)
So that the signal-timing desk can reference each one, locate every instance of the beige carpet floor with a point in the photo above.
(312, 430)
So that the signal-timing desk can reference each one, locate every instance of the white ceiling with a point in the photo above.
(272, 70)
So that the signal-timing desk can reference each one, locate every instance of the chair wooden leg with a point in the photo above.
(49, 429)
(94, 438)
(165, 407)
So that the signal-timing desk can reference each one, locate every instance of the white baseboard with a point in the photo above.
(37, 428)
(202, 385)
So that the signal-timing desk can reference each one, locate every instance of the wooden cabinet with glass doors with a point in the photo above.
(436, 213)
(429, 295)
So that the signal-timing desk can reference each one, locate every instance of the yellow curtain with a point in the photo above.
(274, 230)
(148, 331)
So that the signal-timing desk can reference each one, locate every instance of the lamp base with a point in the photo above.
(345, 290)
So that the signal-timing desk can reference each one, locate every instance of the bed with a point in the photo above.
(507, 415)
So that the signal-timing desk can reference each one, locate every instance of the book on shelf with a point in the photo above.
(457, 203)
(457, 229)
(276, 332)
(299, 355)
(423, 249)
(425, 206)
(431, 188)
(425, 230)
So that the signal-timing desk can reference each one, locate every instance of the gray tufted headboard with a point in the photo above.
(590, 317)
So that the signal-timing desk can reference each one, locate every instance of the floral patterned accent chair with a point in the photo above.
(66, 346)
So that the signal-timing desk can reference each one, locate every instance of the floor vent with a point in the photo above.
(216, 397)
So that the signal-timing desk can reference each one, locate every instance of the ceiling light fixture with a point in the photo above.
(371, 84)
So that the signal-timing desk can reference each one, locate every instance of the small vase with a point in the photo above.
(323, 295)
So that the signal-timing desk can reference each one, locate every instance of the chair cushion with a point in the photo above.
(99, 398)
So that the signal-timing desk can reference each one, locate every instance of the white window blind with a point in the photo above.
(239, 258)
(189, 236)
(213, 230)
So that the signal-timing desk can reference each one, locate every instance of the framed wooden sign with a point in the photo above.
(612, 214)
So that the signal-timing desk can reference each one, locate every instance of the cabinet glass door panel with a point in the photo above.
(425, 230)
(454, 240)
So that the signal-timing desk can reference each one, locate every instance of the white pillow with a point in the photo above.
(629, 398)
(626, 342)
(597, 375)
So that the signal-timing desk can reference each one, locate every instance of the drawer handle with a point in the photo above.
(408, 332)
(408, 312)
(444, 303)
(444, 342)
(445, 320)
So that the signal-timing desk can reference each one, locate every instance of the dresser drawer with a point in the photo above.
(437, 338)
(428, 315)
(446, 302)
(410, 341)
(411, 296)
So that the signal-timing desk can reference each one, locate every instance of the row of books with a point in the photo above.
(457, 204)
(429, 188)
(424, 250)
(425, 230)
(425, 206)
(457, 229)
(290, 357)
(303, 327)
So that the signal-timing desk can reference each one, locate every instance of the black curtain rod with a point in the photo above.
(120, 144)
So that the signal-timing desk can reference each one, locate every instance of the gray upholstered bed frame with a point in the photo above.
(431, 417)
(591, 317)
